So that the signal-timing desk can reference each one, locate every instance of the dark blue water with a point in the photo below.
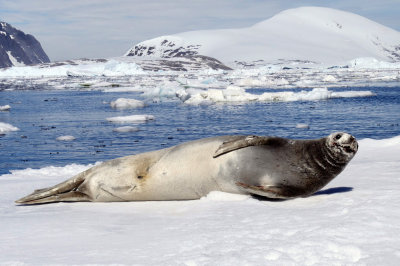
(42, 116)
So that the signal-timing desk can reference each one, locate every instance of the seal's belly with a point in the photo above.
(183, 172)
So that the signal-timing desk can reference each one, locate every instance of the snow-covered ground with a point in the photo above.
(78, 68)
(352, 221)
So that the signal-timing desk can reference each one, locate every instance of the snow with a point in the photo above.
(4, 128)
(353, 221)
(372, 63)
(13, 60)
(130, 119)
(123, 103)
(5, 107)
(65, 138)
(111, 67)
(236, 94)
(315, 34)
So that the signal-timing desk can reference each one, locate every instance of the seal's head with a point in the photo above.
(343, 145)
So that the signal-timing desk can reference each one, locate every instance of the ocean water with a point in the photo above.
(42, 116)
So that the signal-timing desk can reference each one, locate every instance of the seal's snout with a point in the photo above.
(353, 145)
(344, 143)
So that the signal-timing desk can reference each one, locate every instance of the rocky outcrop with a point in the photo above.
(18, 48)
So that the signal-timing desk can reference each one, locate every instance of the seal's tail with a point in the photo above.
(65, 191)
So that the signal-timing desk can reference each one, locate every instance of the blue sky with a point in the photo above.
(69, 29)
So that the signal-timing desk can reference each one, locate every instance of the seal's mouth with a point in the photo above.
(350, 148)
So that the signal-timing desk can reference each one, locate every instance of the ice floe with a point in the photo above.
(237, 94)
(66, 138)
(123, 103)
(4, 128)
(303, 126)
(131, 119)
(5, 107)
(126, 129)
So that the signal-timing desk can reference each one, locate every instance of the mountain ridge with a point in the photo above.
(18, 48)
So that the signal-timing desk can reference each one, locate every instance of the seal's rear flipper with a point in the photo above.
(273, 192)
(66, 197)
(65, 191)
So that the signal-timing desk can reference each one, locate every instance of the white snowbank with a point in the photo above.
(223, 196)
(355, 220)
(4, 128)
(66, 138)
(123, 103)
(372, 63)
(236, 94)
(126, 129)
(109, 68)
(5, 107)
(130, 119)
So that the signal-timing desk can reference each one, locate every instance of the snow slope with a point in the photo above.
(355, 220)
(316, 34)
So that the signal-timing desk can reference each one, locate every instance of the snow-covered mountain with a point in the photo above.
(18, 48)
(317, 34)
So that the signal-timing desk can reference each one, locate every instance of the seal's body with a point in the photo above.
(268, 166)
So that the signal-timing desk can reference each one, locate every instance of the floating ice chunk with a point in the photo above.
(131, 119)
(302, 125)
(66, 138)
(5, 107)
(123, 103)
(351, 94)
(126, 129)
(4, 128)
(166, 90)
(236, 94)
(224, 196)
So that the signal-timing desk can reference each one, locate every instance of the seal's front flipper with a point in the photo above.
(65, 191)
(246, 141)
(273, 192)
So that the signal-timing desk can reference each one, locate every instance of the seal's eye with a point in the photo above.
(338, 136)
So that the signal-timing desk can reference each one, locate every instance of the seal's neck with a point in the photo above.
(321, 157)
